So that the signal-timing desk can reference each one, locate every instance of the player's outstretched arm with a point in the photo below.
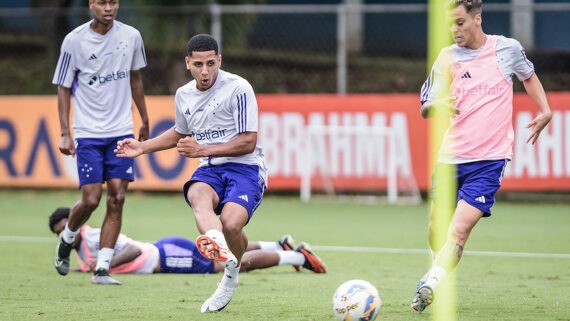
(132, 148)
(534, 89)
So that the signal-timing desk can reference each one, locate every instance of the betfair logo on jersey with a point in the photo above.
(209, 134)
(102, 79)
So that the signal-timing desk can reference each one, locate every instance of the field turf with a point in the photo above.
(516, 265)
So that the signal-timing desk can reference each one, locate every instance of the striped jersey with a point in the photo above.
(97, 69)
(218, 115)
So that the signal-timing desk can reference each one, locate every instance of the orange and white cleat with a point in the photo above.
(312, 262)
(216, 252)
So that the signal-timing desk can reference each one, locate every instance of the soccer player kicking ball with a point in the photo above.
(216, 120)
(479, 141)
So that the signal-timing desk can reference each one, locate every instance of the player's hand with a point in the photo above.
(92, 262)
(66, 145)
(129, 147)
(144, 132)
(189, 147)
(537, 125)
(441, 106)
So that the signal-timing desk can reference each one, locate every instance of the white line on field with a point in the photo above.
(418, 251)
(35, 239)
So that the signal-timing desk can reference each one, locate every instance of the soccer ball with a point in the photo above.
(356, 300)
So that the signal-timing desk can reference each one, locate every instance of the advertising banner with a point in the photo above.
(30, 133)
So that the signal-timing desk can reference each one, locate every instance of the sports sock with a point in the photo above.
(291, 257)
(104, 258)
(230, 278)
(270, 246)
(434, 277)
(68, 235)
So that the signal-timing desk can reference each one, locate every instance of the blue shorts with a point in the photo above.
(180, 255)
(233, 182)
(97, 162)
(477, 183)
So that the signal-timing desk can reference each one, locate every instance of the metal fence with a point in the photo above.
(340, 48)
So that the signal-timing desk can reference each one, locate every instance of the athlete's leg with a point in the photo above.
(258, 259)
(82, 210)
(233, 219)
(204, 199)
(111, 227)
(465, 218)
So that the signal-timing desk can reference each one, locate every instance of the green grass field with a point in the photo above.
(506, 273)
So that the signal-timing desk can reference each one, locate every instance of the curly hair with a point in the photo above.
(58, 215)
(201, 42)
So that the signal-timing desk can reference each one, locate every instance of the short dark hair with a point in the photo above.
(471, 6)
(201, 42)
(59, 214)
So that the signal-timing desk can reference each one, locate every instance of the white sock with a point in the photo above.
(230, 278)
(291, 257)
(270, 246)
(435, 275)
(68, 235)
(218, 237)
(104, 258)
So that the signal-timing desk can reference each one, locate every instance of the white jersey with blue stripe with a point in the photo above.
(218, 115)
(97, 69)
(511, 58)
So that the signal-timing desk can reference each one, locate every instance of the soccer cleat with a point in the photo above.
(61, 260)
(219, 300)
(102, 277)
(287, 243)
(312, 262)
(423, 298)
(211, 250)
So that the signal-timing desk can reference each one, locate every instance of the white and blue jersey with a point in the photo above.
(97, 69)
(218, 115)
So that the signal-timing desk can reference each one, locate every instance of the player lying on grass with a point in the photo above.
(180, 255)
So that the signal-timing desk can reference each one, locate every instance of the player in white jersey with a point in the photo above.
(99, 66)
(216, 119)
(176, 254)
(472, 81)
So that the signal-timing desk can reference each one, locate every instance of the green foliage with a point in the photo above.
(490, 287)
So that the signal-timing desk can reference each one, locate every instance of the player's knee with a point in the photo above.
(231, 230)
(90, 203)
(116, 200)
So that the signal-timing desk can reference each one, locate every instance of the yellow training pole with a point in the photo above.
(444, 306)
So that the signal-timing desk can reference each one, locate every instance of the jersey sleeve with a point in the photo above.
(139, 58)
(65, 69)
(180, 123)
(521, 66)
(245, 109)
(437, 83)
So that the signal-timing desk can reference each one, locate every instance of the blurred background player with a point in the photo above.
(216, 120)
(479, 142)
(180, 255)
(99, 65)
